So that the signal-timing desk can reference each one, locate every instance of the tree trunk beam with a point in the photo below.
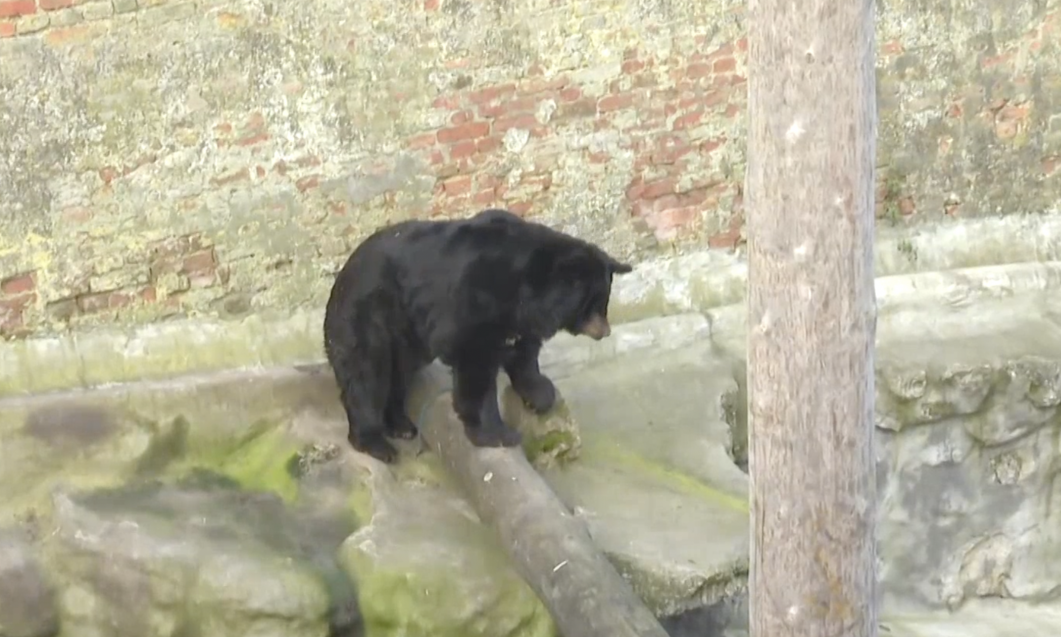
(811, 317)
(551, 549)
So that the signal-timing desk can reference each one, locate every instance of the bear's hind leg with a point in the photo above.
(396, 421)
(521, 365)
(364, 376)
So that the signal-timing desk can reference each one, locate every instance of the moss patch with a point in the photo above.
(399, 602)
(259, 460)
(673, 478)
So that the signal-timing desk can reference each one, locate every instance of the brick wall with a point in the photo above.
(222, 157)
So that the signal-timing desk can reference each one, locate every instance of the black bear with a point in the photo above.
(480, 294)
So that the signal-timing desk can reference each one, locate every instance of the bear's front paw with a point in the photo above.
(499, 435)
(400, 426)
(537, 392)
(375, 445)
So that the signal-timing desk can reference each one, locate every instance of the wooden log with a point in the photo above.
(811, 318)
(551, 549)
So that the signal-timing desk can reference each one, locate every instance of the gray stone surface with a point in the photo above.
(967, 426)
(968, 394)
(197, 559)
(279, 435)
(655, 481)
(27, 598)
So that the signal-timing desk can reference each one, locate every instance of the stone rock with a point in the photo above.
(202, 491)
(967, 417)
(199, 557)
(426, 566)
(27, 598)
(656, 471)
(967, 427)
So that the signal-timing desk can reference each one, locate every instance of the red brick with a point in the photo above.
(488, 144)
(528, 122)
(1050, 164)
(520, 208)
(726, 239)
(631, 67)
(260, 171)
(231, 178)
(697, 71)
(584, 107)
(670, 151)
(724, 65)
(10, 322)
(645, 81)
(70, 35)
(432, 5)
(541, 86)
(726, 50)
(416, 142)
(570, 94)
(907, 206)
(308, 182)
(669, 223)
(463, 149)
(202, 261)
(521, 104)
(76, 214)
(14, 8)
(541, 182)
(446, 102)
(7, 29)
(18, 284)
(52, 5)
(92, 303)
(491, 93)
(715, 97)
(711, 145)
(461, 117)
(742, 45)
(484, 197)
(457, 186)
(658, 188)
(459, 63)
(892, 47)
(251, 140)
(687, 121)
(471, 130)
(307, 161)
(17, 303)
(611, 103)
(732, 110)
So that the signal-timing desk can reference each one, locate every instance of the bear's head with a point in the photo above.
(571, 289)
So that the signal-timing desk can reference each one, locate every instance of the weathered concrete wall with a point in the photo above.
(222, 156)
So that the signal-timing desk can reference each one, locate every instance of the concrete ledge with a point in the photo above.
(958, 261)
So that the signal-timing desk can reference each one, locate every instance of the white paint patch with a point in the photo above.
(794, 132)
(515, 139)
(764, 323)
(801, 250)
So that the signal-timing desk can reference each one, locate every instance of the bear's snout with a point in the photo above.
(596, 327)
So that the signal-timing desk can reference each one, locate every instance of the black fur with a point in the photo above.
(480, 294)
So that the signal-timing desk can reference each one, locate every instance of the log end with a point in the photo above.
(549, 440)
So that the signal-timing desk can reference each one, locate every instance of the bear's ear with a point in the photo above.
(618, 267)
